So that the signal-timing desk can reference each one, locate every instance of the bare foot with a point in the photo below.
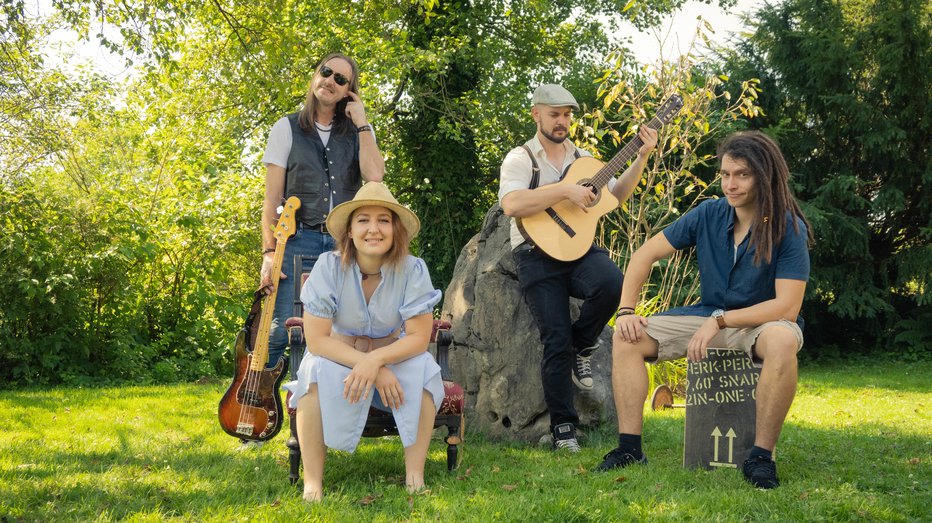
(312, 496)
(414, 485)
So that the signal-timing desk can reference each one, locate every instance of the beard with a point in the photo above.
(555, 139)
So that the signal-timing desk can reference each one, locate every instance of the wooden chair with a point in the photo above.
(379, 423)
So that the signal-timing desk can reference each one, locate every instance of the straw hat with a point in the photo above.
(372, 193)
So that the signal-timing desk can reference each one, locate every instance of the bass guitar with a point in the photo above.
(564, 231)
(251, 409)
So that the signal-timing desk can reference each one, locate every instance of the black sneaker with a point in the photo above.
(582, 368)
(618, 458)
(564, 438)
(761, 472)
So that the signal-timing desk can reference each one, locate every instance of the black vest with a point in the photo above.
(318, 174)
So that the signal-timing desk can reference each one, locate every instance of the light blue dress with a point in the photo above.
(335, 293)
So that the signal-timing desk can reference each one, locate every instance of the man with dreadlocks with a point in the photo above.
(752, 248)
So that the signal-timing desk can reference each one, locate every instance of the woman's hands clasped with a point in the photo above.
(369, 373)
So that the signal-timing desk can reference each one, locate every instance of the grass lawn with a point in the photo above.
(857, 446)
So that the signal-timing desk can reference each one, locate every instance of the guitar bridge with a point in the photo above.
(560, 222)
(244, 428)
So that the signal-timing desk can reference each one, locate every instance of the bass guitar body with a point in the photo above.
(251, 409)
(564, 231)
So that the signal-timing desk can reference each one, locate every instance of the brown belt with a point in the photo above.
(365, 343)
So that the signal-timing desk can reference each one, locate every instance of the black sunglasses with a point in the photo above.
(326, 72)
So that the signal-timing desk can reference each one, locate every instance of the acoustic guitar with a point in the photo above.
(251, 409)
(564, 231)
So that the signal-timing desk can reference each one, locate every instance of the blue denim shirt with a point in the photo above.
(724, 281)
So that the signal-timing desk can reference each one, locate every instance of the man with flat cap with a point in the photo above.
(527, 187)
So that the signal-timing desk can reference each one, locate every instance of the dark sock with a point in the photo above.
(757, 451)
(630, 443)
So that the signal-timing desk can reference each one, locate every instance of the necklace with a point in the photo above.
(365, 276)
(324, 129)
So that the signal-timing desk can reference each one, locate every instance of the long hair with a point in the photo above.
(341, 123)
(393, 258)
(775, 201)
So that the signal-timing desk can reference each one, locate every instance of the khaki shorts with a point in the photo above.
(674, 332)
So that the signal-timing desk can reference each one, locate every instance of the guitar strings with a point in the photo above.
(253, 377)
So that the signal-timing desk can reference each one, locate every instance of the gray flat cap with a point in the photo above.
(555, 95)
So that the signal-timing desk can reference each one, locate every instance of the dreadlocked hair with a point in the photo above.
(775, 200)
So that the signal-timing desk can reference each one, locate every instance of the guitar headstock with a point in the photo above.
(286, 223)
(670, 107)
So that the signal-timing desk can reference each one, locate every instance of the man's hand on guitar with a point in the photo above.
(649, 137)
(580, 195)
(265, 278)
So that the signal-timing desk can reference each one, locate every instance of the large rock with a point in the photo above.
(497, 351)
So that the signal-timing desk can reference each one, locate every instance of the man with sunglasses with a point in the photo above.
(528, 185)
(321, 154)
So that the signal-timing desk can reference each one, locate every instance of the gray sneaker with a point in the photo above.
(564, 438)
(582, 368)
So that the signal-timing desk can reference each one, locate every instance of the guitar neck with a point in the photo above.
(260, 353)
(627, 152)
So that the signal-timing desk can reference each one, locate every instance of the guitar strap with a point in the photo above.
(535, 170)
(576, 156)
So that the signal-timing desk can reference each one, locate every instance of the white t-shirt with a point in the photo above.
(517, 171)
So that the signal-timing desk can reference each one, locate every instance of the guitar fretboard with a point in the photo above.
(627, 152)
(664, 114)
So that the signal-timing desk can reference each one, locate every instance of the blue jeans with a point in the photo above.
(547, 285)
(306, 242)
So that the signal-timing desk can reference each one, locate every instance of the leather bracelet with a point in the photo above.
(366, 127)
(624, 311)
(270, 249)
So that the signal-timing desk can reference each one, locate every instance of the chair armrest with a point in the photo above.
(439, 325)
(442, 337)
(295, 328)
(296, 343)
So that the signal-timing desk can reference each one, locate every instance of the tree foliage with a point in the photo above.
(447, 83)
(130, 208)
(847, 89)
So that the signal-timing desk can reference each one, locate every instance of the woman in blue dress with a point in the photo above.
(367, 320)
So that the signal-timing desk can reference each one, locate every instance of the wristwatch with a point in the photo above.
(719, 316)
